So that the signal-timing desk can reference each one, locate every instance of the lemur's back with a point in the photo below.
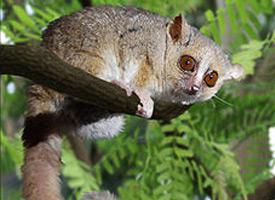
(83, 38)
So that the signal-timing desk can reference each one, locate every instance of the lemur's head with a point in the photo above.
(196, 67)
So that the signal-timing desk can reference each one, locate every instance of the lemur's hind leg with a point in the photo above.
(42, 143)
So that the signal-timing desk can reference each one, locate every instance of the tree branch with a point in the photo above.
(45, 68)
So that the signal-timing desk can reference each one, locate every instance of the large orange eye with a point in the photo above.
(211, 78)
(187, 63)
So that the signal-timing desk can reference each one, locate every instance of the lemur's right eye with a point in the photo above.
(211, 78)
(187, 63)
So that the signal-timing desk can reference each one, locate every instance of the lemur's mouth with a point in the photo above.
(190, 92)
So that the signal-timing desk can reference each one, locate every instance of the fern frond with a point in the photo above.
(78, 175)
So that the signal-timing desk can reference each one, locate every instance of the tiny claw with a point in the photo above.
(141, 112)
(146, 105)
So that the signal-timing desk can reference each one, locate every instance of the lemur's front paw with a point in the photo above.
(146, 106)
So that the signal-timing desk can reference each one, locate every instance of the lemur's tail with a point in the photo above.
(42, 143)
(41, 170)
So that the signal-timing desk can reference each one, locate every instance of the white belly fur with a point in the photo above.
(104, 128)
(124, 73)
(111, 126)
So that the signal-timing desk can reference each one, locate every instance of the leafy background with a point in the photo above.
(217, 150)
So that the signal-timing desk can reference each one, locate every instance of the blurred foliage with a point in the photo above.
(190, 156)
(77, 174)
(242, 19)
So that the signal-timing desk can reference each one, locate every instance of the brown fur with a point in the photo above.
(39, 127)
(41, 171)
(42, 117)
(144, 74)
(41, 137)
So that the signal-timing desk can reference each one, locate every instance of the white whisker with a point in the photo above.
(213, 103)
(223, 101)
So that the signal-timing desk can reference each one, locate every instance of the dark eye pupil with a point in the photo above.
(188, 62)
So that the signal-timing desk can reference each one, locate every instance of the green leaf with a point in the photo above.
(164, 176)
(167, 152)
(242, 11)
(251, 31)
(162, 189)
(167, 128)
(39, 21)
(267, 6)
(115, 160)
(183, 153)
(108, 166)
(232, 16)
(25, 18)
(213, 26)
(163, 167)
(14, 148)
(183, 128)
(76, 172)
(221, 21)
(247, 56)
(17, 26)
(7, 31)
(52, 12)
(47, 17)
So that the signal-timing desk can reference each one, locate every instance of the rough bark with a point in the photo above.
(43, 67)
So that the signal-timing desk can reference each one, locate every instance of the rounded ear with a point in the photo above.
(236, 72)
(178, 29)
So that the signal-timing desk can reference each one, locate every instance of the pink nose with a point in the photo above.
(193, 90)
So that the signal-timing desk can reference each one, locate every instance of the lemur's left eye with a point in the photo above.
(187, 63)
(211, 78)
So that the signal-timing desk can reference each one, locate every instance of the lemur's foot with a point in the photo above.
(123, 86)
(146, 106)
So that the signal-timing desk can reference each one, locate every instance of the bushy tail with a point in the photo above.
(42, 146)
(41, 170)
(42, 143)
